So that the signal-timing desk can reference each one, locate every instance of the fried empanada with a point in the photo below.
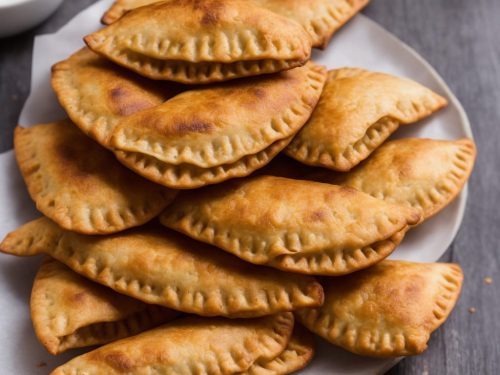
(186, 176)
(69, 311)
(120, 7)
(357, 112)
(97, 94)
(298, 353)
(203, 41)
(388, 310)
(320, 18)
(207, 135)
(161, 267)
(299, 226)
(190, 346)
(80, 185)
(423, 173)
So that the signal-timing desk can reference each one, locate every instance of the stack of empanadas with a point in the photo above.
(216, 279)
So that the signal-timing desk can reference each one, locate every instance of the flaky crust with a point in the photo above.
(190, 346)
(186, 176)
(80, 185)
(357, 112)
(204, 41)
(97, 94)
(161, 267)
(211, 126)
(320, 18)
(299, 226)
(422, 173)
(69, 311)
(388, 310)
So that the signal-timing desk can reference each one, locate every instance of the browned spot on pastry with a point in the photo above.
(259, 93)
(211, 11)
(414, 290)
(347, 191)
(406, 170)
(318, 215)
(67, 152)
(78, 298)
(74, 167)
(125, 103)
(117, 92)
(119, 361)
(192, 127)
(209, 19)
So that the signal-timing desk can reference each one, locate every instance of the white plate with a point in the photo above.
(361, 43)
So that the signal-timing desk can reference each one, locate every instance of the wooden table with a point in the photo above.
(460, 38)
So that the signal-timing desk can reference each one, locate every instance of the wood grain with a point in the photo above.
(460, 39)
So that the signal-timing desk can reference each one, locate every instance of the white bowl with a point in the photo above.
(20, 15)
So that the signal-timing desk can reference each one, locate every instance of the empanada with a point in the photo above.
(321, 18)
(80, 185)
(190, 346)
(69, 311)
(388, 310)
(120, 7)
(96, 93)
(162, 267)
(357, 112)
(206, 135)
(188, 176)
(298, 353)
(203, 41)
(422, 173)
(299, 226)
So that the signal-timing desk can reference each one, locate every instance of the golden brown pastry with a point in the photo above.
(190, 346)
(297, 355)
(357, 112)
(69, 311)
(320, 18)
(185, 176)
(120, 7)
(293, 225)
(388, 310)
(422, 173)
(97, 94)
(161, 267)
(210, 134)
(80, 185)
(203, 41)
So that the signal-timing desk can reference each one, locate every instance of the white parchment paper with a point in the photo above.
(361, 43)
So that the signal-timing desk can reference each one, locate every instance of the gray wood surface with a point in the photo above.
(460, 38)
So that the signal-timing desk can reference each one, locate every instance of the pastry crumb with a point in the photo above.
(488, 280)
(472, 310)
(41, 364)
